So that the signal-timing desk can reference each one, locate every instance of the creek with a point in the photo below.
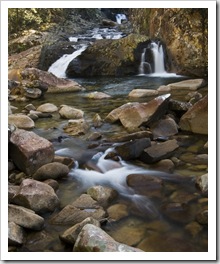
(147, 225)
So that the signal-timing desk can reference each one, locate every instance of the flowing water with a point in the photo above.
(150, 223)
(146, 222)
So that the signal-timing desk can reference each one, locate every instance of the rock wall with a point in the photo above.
(185, 33)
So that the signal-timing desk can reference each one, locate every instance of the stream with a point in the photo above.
(149, 224)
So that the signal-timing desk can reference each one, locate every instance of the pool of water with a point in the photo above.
(138, 228)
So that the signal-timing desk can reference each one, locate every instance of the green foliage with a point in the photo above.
(32, 18)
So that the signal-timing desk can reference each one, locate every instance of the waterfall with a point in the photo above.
(144, 64)
(120, 17)
(152, 60)
(158, 54)
(58, 68)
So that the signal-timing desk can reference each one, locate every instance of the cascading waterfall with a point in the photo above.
(59, 67)
(155, 64)
(158, 54)
(144, 64)
(120, 17)
(113, 174)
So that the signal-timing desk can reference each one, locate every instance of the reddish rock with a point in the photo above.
(196, 118)
(37, 196)
(144, 114)
(29, 151)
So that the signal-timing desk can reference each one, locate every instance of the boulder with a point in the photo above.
(107, 57)
(164, 127)
(97, 121)
(69, 112)
(29, 151)
(196, 118)
(15, 234)
(94, 239)
(33, 93)
(145, 184)
(78, 211)
(139, 93)
(159, 151)
(47, 108)
(54, 84)
(76, 127)
(178, 106)
(25, 217)
(97, 95)
(186, 85)
(21, 121)
(37, 196)
(54, 170)
(132, 136)
(71, 234)
(144, 113)
(132, 149)
(113, 116)
(103, 195)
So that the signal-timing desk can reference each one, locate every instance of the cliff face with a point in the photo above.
(185, 33)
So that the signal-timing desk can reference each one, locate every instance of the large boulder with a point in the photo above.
(53, 170)
(94, 239)
(107, 57)
(132, 149)
(54, 84)
(144, 113)
(69, 112)
(29, 151)
(196, 118)
(25, 217)
(159, 151)
(37, 196)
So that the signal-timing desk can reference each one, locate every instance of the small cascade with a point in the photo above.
(120, 17)
(58, 68)
(158, 54)
(152, 60)
(144, 66)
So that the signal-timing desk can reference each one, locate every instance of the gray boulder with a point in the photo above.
(24, 217)
(15, 234)
(69, 112)
(47, 108)
(132, 149)
(159, 151)
(54, 170)
(78, 211)
(71, 234)
(21, 121)
(37, 196)
(94, 239)
(103, 195)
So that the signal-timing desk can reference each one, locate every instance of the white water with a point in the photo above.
(120, 17)
(114, 174)
(58, 68)
(158, 54)
(144, 64)
(159, 65)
